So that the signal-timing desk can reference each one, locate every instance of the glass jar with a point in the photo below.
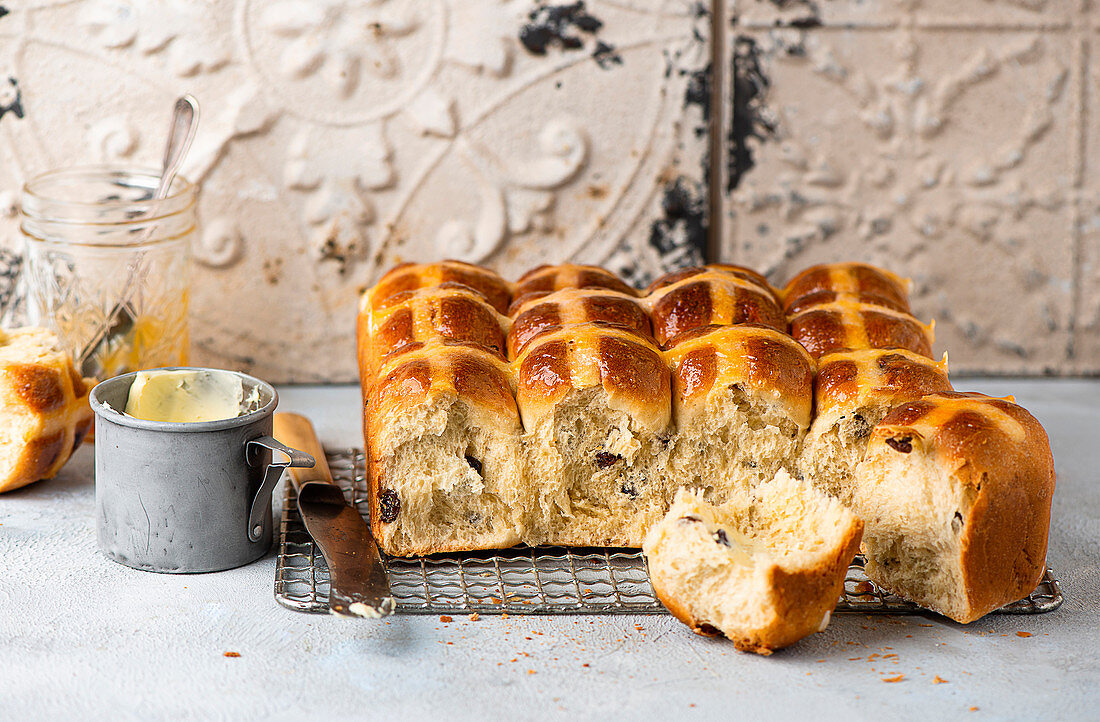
(107, 268)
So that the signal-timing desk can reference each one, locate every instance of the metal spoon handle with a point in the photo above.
(185, 117)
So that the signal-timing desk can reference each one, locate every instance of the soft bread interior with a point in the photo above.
(914, 510)
(753, 567)
(600, 475)
(732, 441)
(457, 483)
(834, 447)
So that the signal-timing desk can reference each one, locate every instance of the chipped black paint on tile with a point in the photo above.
(606, 56)
(4, 11)
(15, 107)
(698, 93)
(557, 25)
(750, 118)
(810, 16)
(680, 236)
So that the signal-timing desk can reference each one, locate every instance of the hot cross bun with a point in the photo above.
(711, 297)
(595, 401)
(826, 283)
(742, 401)
(547, 279)
(573, 306)
(741, 272)
(853, 391)
(443, 424)
(847, 325)
(765, 569)
(411, 276)
(955, 491)
(448, 311)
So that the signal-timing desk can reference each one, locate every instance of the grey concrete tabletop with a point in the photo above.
(82, 637)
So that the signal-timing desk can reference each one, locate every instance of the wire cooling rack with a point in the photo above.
(525, 580)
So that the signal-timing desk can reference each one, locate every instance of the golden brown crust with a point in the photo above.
(579, 327)
(439, 368)
(830, 282)
(37, 386)
(878, 377)
(741, 272)
(850, 326)
(575, 306)
(45, 406)
(477, 376)
(547, 279)
(1001, 453)
(761, 360)
(42, 453)
(452, 313)
(411, 276)
(711, 298)
(594, 355)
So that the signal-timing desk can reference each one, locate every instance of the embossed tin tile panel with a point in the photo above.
(944, 139)
(339, 137)
(946, 145)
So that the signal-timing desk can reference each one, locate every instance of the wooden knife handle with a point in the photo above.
(297, 432)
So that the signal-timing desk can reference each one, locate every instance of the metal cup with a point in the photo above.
(186, 497)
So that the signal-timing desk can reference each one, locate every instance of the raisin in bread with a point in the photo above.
(765, 569)
(442, 427)
(44, 411)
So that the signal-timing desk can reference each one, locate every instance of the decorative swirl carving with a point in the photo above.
(513, 194)
(220, 244)
(338, 40)
(114, 138)
(563, 149)
(339, 116)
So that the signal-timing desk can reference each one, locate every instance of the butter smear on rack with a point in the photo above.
(188, 396)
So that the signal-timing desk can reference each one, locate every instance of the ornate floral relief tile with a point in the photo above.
(339, 137)
(945, 155)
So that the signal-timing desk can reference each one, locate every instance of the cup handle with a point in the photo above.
(274, 469)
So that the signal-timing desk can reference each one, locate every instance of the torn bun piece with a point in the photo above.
(765, 569)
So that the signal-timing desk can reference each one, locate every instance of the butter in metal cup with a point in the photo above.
(188, 395)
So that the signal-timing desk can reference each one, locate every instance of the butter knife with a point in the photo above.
(358, 586)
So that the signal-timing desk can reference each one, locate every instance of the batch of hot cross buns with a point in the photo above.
(750, 439)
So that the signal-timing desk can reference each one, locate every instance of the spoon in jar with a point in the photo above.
(122, 318)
